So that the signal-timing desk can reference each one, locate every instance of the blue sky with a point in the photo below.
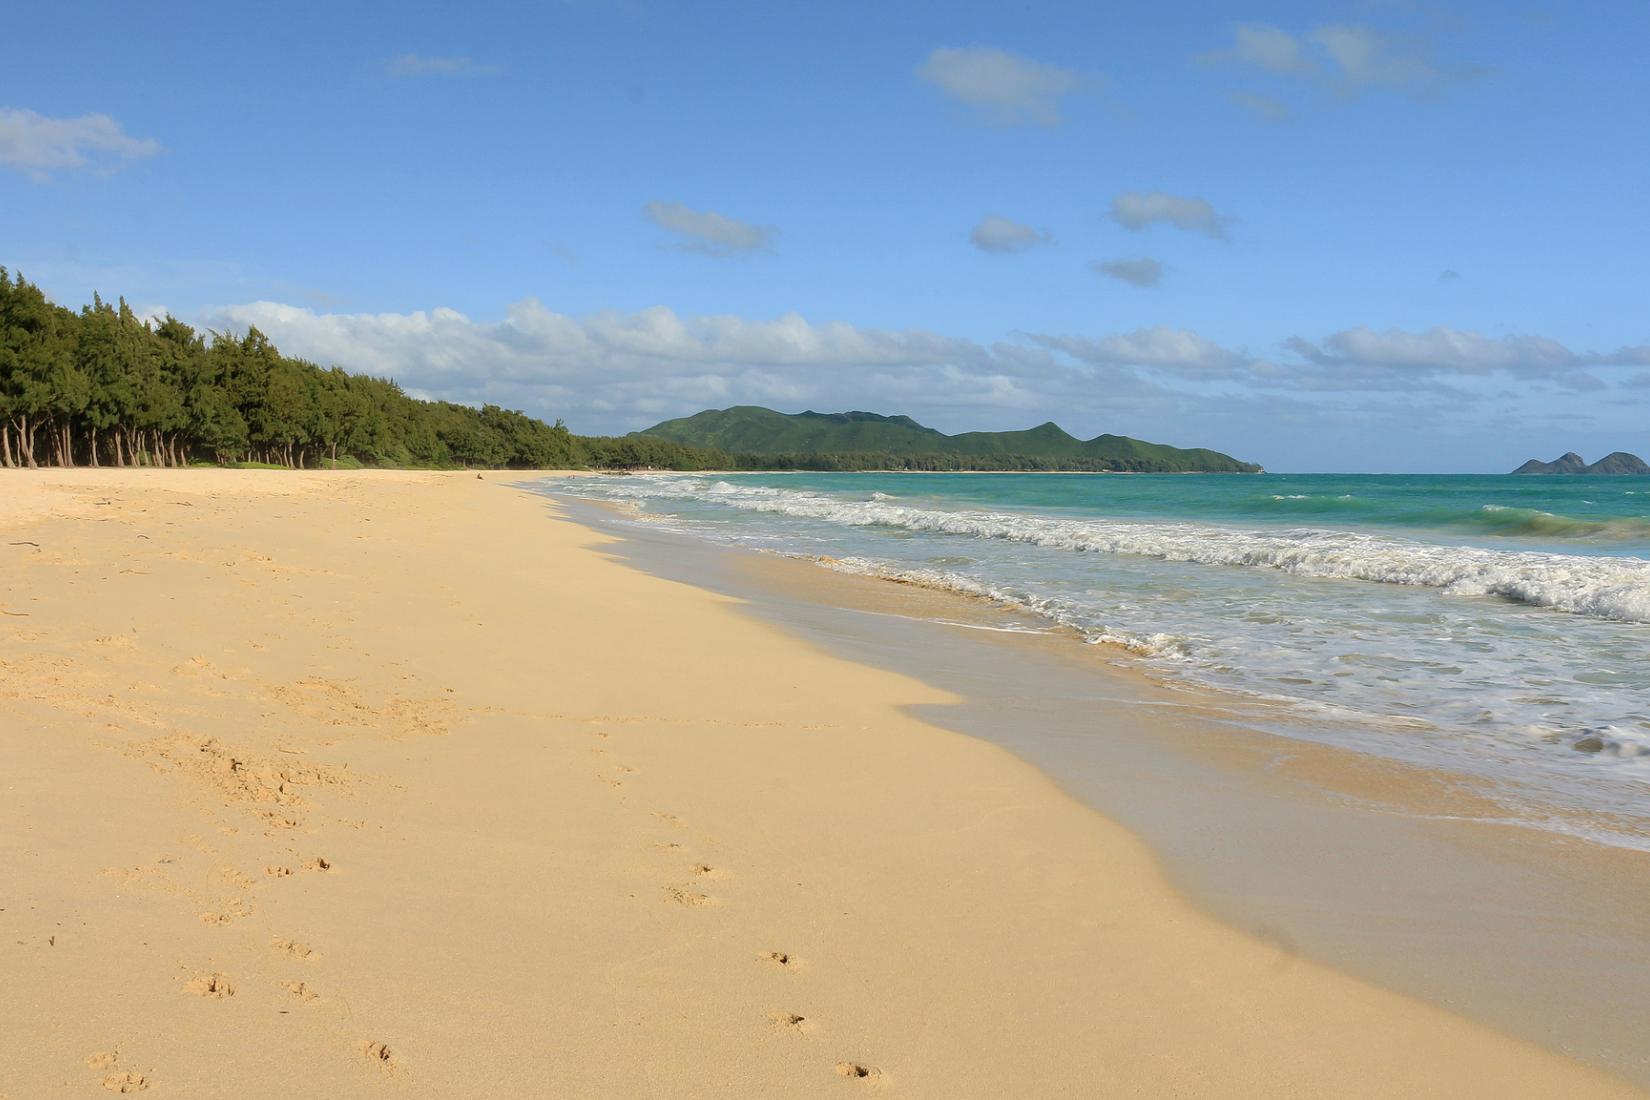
(1348, 236)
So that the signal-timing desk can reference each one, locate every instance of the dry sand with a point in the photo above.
(340, 785)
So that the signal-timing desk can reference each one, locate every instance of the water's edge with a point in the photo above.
(1521, 667)
(1396, 877)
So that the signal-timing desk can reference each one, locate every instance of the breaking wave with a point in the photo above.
(1602, 587)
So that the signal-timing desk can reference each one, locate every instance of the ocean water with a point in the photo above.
(1489, 624)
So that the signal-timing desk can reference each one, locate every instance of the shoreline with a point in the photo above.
(403, 784)
(1459, 878)
(1337, 667)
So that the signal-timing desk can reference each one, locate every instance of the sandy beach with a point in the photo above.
(396, 784)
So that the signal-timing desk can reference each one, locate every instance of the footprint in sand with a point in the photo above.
(234, 911)
(319, 863)
(300, 991)
(126, 1082)
(117, 1079)
(238, 879)
(380, 1055)
(688, 898)
(295, 949)
(790, 1023)
(859, 1072)
(782, 959)
(210, 985)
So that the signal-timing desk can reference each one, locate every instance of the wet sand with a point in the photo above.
(1416, 880)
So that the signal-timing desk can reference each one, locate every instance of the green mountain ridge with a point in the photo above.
(753, 430)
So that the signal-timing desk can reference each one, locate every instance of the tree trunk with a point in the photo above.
(5, 447)
(91, 439)
(25, 441)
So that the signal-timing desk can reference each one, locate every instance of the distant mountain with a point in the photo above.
(752, 430)
(1619, 463)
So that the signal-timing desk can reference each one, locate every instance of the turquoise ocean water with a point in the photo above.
(1492, 624)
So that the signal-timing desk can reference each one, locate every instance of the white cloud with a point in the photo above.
(1342, 58)
(1266, 47)
(412, 64)
(1138, 209)
(1143, 271)
(1444, 349)
(1005, 87)
(39, 146)
(1367, 58)
(615, 372)
(1177, 351)
(997, 234)
(707, 232)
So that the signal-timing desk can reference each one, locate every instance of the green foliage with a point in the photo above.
(866, 441)
(103, 387)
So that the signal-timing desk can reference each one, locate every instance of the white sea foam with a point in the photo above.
(1602, 587)
(1055, 611)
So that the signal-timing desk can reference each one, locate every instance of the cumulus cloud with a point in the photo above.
(707, 232)
(618, 371)
(1356, 359)
(1004, 87)
(1454, 350)
(1138, 209)
(412, 64)
(997, 234)
(39, 146)
(611, 370)
(1175, 350)
(1143, 271)
(1343, 58)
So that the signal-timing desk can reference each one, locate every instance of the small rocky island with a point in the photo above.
(1618, 463)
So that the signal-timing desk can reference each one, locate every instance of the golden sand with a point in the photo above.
(369, 784)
